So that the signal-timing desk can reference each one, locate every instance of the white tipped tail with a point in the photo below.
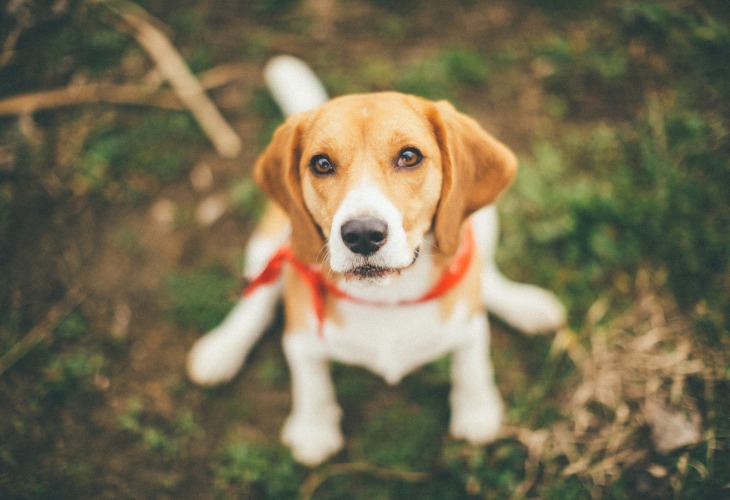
(294, 85)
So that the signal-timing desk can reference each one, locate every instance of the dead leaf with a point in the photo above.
(672, 427)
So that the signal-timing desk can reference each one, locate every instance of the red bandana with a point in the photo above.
(319, 286)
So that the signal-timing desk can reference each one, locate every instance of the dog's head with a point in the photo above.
(364, 178)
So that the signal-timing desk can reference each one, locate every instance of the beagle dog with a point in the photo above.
(381, 239)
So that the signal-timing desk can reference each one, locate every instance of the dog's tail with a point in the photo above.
(293, 85)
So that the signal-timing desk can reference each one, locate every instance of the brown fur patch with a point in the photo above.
(467, 289)
(297, 302)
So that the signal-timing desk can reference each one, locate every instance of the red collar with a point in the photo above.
(320, 286)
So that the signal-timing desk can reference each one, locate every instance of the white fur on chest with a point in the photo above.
(393, 340)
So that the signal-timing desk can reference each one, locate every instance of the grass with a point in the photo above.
(123, 158)
(200, 299)
(619, 114)
(166, 438)
(437, 76)
(245, 469)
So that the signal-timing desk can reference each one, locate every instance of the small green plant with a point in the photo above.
(438, 76)
(245, 469)
(130, 420)
(495, 471)
(403, 436)
(248, 199)
(580, 66)
(200, 299)
(274, 7)
(263, 106)
(166, 438)
(103, 47)
(271, 371)
(73, 372)
(73, 327)
(124, 157)
(654, 192)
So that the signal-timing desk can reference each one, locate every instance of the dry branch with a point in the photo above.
(314, 481)
(189, 90)
(43, 330)
(130, 94)
(173, 67)
(84, 94)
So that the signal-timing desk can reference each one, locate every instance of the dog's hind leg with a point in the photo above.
(218, 355)
(528, 308)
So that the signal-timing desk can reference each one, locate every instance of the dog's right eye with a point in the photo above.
(409, 158)
(321, 165)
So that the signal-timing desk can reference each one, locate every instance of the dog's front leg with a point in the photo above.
(312, 430)
(476, 406)
(217, 356)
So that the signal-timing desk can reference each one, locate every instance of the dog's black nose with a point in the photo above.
(365, 235)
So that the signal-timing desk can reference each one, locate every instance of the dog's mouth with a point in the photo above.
(373, 272)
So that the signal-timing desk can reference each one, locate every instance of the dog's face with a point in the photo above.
(371, 180)
(364, 179)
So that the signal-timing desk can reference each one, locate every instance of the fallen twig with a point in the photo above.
(173, 67)
(132, 94)
(314, 481)
(9, 46)
(535, 441)
(43, 330)
(84, 94)
(189, 90)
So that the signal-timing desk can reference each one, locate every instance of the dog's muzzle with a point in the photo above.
(364, 236)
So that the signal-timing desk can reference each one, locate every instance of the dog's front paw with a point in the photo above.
(312, 441)
(476, 419)
(533, 310)
(214, 359)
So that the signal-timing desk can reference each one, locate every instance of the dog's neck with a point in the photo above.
(411, 286)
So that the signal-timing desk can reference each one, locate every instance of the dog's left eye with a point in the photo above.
(321, 165)
(409, 157)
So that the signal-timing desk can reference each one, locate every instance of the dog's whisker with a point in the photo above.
(323, 253)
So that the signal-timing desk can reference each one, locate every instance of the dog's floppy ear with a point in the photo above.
(476, 169)
(277, 172)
